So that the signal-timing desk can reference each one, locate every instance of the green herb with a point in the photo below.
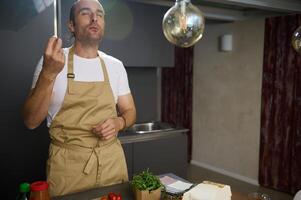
(146, 181)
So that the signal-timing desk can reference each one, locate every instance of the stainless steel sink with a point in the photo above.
(150, 127)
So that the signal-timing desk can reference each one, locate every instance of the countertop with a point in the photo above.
(124, 189)
(128, 137)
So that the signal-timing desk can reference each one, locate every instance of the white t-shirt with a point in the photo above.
(85, 70)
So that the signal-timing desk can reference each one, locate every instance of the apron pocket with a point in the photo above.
(55, 171)
(93, 89)
(113, 164)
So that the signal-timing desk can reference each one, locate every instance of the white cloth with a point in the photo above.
(298, 195)
(85, 70)
(208, 191)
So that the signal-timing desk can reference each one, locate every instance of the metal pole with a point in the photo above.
(57, 17)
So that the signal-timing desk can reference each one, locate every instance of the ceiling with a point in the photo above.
(20, 12)
(236, 10)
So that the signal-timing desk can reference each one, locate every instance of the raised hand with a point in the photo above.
(54, 58)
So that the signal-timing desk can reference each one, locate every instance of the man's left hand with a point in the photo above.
(107, 129)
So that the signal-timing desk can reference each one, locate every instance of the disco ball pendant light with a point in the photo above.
(183, 24)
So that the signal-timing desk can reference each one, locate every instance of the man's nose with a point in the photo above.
(94, 17)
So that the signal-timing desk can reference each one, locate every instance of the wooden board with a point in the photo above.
(238, 196)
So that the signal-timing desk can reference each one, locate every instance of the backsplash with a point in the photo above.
(144, 87)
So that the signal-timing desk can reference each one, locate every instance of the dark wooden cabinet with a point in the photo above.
(164, 155)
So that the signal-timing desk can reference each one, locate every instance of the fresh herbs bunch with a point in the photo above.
(146, 181)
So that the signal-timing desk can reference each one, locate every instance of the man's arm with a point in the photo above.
(126, 118)
(36, 105)
(127, 110)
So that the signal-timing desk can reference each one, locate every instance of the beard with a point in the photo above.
(88, 38)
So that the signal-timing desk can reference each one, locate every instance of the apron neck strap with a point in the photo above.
(70, 73)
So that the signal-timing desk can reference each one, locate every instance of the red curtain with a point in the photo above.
(280, 140)
(177, 92)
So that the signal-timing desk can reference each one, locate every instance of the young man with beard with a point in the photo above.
(77, 89)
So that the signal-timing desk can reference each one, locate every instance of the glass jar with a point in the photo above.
(39, 191)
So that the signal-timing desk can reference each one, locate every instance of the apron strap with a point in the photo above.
(92, 150)
(89, 165)
(70, 73)
(104, 69)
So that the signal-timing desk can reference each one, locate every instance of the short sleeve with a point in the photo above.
(37, 73)
(123, 83)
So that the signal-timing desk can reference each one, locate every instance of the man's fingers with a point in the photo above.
(109, 135)
(105, 125)
(62, 56)
(58, 45)
(107, 130)
(96, 129)
(49, 46)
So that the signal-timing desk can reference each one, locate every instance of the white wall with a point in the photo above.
(227, 100)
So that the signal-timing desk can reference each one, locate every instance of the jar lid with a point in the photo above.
(24, 187)
(39, 186)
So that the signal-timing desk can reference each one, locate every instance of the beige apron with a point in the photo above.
(78, 159)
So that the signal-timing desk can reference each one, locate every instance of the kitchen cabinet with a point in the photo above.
(160, 155)
(167, 155)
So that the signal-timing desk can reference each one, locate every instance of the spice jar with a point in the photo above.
(39, 191)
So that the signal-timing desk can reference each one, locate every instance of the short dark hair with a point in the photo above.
(72, 12)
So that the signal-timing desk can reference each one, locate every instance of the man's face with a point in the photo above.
(89, 22)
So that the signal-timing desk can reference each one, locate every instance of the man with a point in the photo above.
(77, 89)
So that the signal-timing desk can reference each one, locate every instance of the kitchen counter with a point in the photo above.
(160, 151)
(141, 155)
(124, 189)
(129, 137)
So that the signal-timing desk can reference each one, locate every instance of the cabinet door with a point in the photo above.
(168, 155)
(128, 152)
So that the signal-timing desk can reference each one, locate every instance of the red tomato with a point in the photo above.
(104, 198)
(112, 196)
(119, 197)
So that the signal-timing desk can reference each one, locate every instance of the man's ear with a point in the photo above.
(71, 26)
